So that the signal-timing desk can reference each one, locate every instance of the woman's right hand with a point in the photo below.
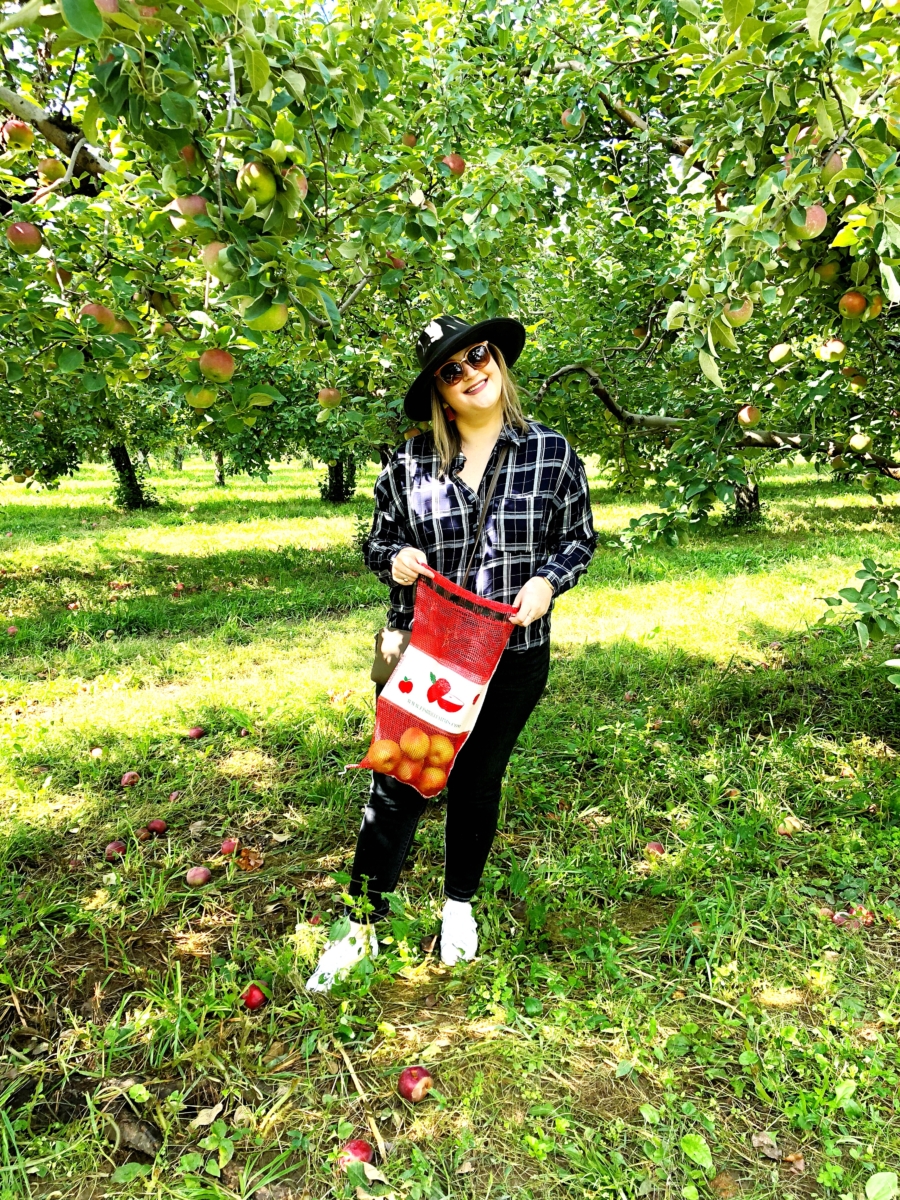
(408, 565)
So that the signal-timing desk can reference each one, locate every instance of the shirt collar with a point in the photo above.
(507, 434)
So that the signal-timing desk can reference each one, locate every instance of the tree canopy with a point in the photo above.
(217, 211)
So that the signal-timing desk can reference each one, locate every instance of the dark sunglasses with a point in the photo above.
(452, 372)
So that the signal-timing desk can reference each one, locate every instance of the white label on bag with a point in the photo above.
(434, 692)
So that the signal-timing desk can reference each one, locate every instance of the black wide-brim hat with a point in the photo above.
(445, 336)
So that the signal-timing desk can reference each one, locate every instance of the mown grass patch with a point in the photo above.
(631, 1018)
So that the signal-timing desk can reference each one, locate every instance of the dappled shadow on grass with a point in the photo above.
(148, 595)
(49, 522)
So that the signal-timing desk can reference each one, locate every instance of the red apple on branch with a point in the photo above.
(749, 416)
(19, 134)
(104, 316)
(255, 180)
(852, 304)
(454, 163)
(329, 397)
(409, 139)
(24, 237)
(217, 365)
(815, 220)
(739, 315)
(51, 169)
(573, 118)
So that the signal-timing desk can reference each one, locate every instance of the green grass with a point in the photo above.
(620, 1005)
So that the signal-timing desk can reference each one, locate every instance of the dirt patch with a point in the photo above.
(641, 915)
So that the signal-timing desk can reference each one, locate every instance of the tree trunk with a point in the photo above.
(219, 460)
(341, 482)
(129, 490)
(746, 502)
(178, 458)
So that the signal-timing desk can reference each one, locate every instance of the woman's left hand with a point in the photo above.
(533, 600)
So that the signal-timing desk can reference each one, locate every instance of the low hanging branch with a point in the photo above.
(63, 135)
(764, 439)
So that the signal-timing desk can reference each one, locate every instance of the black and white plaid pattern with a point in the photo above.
(539, 522)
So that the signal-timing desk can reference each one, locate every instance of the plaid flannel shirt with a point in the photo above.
(539, 522)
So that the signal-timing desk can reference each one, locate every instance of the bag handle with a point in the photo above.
(487, 504)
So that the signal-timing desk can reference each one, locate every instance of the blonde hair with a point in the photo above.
(447, 441)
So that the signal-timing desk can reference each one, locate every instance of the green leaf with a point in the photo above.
(815, 14)
(709, 369)
(263, 394)
(882, 1186)
(93, 381)
(734, 11)
(179, 109)
(862, 632)
(331, 309)
(83, 16)
(846, 236)
(891, 283)
(191, 1161)
(650, 1114)
(295, 83)
(696, 1149)
(69, 361)
(130, 1171)
(257, 66)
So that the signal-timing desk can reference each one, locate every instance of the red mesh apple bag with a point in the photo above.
(431, 702)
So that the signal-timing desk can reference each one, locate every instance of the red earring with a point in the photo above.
(449, 413)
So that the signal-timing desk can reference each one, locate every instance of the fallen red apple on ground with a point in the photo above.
(173, 796)
(415, 1083)
(254, 997)
(196, 731)
(157, 825)
(198, 876)
(229, 845)
(130, 778)
(115, 850)
(354, 1151)
(655, 848)
(143, 834)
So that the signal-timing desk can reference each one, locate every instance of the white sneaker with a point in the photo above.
(459, 933)
(340, 956)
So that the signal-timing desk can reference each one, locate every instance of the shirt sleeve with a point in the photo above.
(574, 540)
(390, 530)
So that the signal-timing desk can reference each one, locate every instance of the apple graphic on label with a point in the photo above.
(405, 686)
(439, 687)
(439, 693)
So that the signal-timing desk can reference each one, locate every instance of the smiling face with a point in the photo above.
(479, 389)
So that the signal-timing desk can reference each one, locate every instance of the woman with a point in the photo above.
(538, 539)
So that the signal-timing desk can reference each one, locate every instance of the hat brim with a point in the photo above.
(506, 333)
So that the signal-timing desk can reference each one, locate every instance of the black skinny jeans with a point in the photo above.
(473, 790)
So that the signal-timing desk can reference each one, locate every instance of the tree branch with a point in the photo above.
(622, 415)
(636, 121)
(764, 439)
(359, 287)
(64, 139)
